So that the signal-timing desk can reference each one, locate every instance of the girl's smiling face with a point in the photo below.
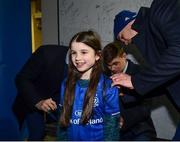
(83, 58)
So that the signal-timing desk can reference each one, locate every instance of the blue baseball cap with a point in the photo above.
(121, 20)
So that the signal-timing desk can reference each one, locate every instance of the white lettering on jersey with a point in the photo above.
(91, 121)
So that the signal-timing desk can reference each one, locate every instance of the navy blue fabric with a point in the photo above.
(36, 125)
(15, 48)
(159, 42)
(158, 39)
(177, 134)
(145, 136)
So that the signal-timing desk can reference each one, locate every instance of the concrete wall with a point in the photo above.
(78, 15)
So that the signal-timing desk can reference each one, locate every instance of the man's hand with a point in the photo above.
(122, 79)
(46, 105)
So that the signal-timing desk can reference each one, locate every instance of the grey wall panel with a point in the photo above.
(78, 15)
(49, 22)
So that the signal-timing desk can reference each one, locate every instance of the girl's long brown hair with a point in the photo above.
(91, 39)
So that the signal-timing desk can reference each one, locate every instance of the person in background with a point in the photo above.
(136, 123)
(38, 88)
(122, 23)
(156, 33)
(90, 106)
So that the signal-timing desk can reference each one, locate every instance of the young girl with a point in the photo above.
(89, 103)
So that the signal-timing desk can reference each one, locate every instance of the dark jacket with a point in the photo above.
(158, 39)
(40, 78)
(137, 116)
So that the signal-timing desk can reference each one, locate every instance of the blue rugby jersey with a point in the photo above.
(105, 103)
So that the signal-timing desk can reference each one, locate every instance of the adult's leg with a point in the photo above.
(145, 136)
(36, 126)
(177, 134)
(24, 131)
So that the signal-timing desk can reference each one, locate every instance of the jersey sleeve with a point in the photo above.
(111, 101)
(112, 112)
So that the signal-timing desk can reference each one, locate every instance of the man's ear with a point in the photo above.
(124, 55)
(97, 57)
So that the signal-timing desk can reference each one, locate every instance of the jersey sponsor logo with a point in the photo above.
(95, 121)
(91, 121)
(96, 101)
(78, 113)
